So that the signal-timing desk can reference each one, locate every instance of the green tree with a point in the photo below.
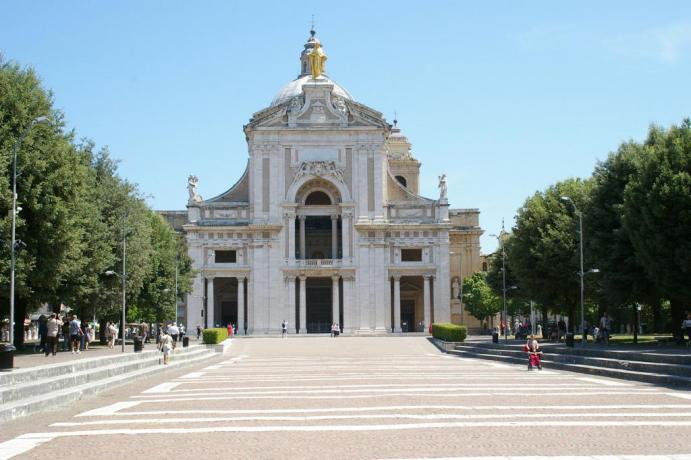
(478, 297)
(657, 214)
(543, 250)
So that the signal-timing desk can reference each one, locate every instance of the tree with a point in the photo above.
(623, 280)
(515, 301)
(657, 214)
(478, 297)
(543, 250)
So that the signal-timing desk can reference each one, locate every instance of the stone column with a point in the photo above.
(397, 303)
(241, 305)
(303, 305)
(334, 236)
(210, 302)
(302, 236)
(290, 310)
(291, 238)
(426, 301)
(345, 233)
(347, 304)
(335, 301)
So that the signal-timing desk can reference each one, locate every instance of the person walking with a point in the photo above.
(75, 334)
(165, 345)
(605, 325)
(173, 331)
(42, 333)
(112, 334)
(53, 326)
(199, 332)
(686, 326)
(284, 328)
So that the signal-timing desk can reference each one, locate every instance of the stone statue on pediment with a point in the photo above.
(456, 289)
(194, 197)
(442, 187)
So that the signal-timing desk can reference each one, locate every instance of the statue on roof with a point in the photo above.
(442, 187)
(317, 59)
(192, 190)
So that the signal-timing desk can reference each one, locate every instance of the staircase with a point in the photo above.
(651, 366)
(34, 389)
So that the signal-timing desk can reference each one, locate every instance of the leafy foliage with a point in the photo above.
(449, 332)
(478, 297)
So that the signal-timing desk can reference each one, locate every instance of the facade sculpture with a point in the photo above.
(326, 225)
(442, 187)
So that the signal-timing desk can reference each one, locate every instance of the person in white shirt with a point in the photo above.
(173, 331)
(605, 324)
(53, 329)
(166, 346)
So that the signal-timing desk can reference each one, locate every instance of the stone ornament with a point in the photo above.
(319, 168)
(194, 197)
(442, 187)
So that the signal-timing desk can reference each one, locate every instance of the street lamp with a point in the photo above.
(124, 296)
(13, 242)
(503, 280)
(581, 273)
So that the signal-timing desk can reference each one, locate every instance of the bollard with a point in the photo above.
(569, 339)
(495, 337)
(6, 356)
(185, 342)
(138, 344)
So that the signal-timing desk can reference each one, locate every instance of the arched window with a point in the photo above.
(401, 180)
(318, 198)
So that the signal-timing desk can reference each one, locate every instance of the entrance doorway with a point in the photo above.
(318, 302)
(226, 300)
(408, 323)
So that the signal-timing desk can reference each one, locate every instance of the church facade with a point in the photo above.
(326, 224)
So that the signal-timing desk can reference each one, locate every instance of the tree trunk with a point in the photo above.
(657, 306)
(635, 323)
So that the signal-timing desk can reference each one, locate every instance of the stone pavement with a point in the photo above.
(375, 397)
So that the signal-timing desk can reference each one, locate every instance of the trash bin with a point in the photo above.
(569, 339)
(138, 344)
(6, 356)
(185, 342)
(495, 337)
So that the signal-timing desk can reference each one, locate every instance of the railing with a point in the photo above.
(318, 262)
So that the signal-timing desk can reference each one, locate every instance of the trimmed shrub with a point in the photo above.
(449, 332)
(215, 335)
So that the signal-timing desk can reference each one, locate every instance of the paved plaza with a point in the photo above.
(356, 397)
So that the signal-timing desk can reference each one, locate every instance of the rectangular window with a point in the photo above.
(225, 257)
(411, 255)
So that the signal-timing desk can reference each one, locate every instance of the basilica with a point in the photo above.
(326, 224)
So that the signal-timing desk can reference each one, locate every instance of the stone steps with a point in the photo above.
(48, 387)
(658, 373)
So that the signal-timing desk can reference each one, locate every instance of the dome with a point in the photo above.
(294, 88)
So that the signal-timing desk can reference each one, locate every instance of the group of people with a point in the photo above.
(76, 334)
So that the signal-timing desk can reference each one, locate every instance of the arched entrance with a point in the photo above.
(319, 231)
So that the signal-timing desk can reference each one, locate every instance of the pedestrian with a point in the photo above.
(284, 328)
(332, 329)
(165, 345)
(539, 331)
(182, 331)
(145, 331)
(199, 332)
(113, 334)
(52, 332)
(230, 329)
(42, 333)
(686, 326)
(605, 325)
(83, 338)
(173, 331)
(75, 334)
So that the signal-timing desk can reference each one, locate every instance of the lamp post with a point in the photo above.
(503, 281)
(123, 278)
(13, 241)
(581, 273)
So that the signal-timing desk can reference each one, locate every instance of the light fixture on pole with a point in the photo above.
(14, 244)
(581, 273)
(503, 280)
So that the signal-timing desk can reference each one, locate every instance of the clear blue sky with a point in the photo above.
(504, 97)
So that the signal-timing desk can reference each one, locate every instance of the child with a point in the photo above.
(534, 353)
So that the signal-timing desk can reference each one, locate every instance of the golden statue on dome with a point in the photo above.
(317, 59)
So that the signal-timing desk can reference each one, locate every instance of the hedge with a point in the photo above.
(215, 335)
(449, 332)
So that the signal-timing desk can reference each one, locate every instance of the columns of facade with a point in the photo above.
(345, 233)
(397, 303)
(426, 301)
(241, 305)
(291, 238)
(290, 310)
(210, 302)
(302, 237)
(335, 303)
(334, 236)
(303, 305)
(348, 319)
